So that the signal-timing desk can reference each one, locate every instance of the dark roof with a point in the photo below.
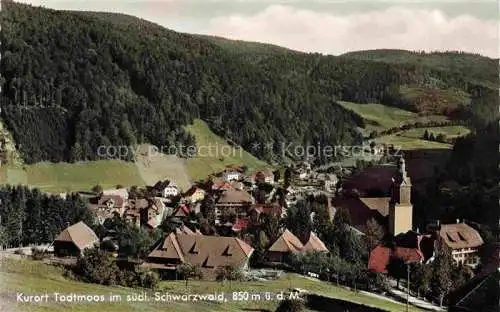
(490, 259)
(102, 200)
(192, 190)
(235, 196)
(359, 212)
(479, 294)
(375, 177)
(161, 185)
(269, 209)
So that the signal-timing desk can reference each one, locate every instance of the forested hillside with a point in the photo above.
(473, 66)
(74, 81)
(468, 185)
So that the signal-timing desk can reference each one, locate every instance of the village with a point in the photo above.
(242, 224)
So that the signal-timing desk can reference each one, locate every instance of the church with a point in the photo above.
(390, 205)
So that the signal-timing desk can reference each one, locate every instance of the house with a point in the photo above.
(154, 214)
(220, 184)
(134, 210)
(234, 202)
(314, 244)
(286, 245)
(273, 209)
(194, 194)
(265, 175)
(122, 192)
(375, 179)
(330, 182)
(394, 212)
(207, 252)
(381, 256)
(165, 189)
(187, 231)
(478, 294)
(490, 259)
(182, 211)
(133, 217)
(230, 175)
(362, 209)
(236, 185)
(106, 206)
(464, 242)
(171, 190)
(410, 247)
(74, 240)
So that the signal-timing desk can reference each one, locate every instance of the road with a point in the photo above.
(417, 302)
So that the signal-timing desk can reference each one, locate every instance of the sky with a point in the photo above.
(324, 26)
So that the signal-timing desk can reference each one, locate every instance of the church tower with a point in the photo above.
(400, 206)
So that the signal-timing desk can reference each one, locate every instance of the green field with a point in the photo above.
(379, 117)
(33, 278)
(215, 153)
(149, 168)
(81, 176)
(408, 143)
(448, 131)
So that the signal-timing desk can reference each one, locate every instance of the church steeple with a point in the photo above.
(400, 206)
(401, 184)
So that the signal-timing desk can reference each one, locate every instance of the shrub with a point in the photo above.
(229, 273)
(97, 266)
(289, 305)
(149, 279)
(38, 254)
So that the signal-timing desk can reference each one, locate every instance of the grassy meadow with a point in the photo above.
(32, 277)
(448, 131)
(379, 117)
(147, 170)
(217, 157)
(80, 176)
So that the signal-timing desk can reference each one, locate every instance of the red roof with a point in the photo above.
(240, 224)
(269, 209)
(408, 255)
(379, 259)
(381, 256)
(182, 211)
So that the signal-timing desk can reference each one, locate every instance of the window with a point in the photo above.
(449, 237)
(227, 252)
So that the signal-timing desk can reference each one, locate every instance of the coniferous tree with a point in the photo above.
(441, 282)
(299, 220)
